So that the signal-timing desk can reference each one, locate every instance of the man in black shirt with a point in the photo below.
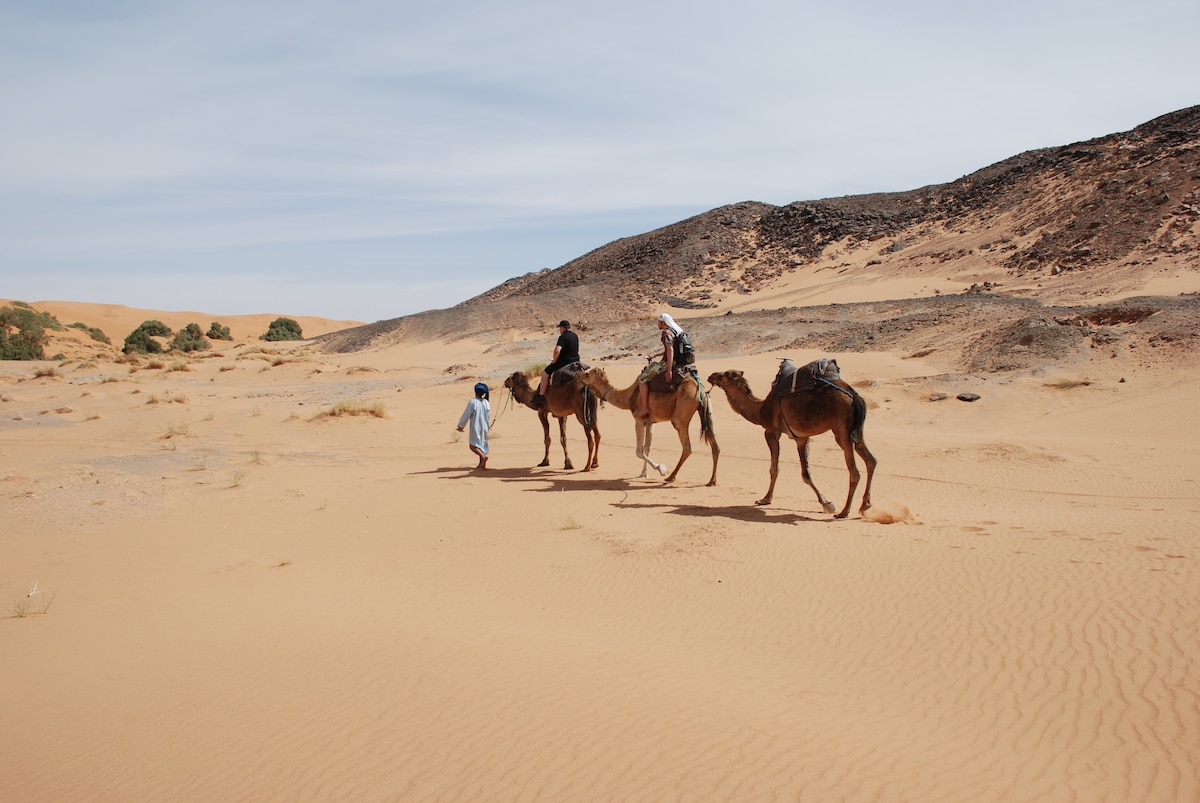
(566, 351)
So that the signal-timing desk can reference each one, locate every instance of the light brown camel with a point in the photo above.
(676, 406)
(562, 401)
(802, 415)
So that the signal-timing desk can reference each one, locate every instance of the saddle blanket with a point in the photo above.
(791, 379)
(665, 384)
(566, 375)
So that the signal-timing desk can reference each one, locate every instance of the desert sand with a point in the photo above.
(211, 591)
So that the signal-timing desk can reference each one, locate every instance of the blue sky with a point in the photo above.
(365, 160)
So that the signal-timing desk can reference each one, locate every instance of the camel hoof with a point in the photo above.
(829, 508)
(662, 471)
(569, 467)
(543, 463)
(763, 502)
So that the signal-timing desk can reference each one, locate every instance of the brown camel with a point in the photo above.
(677, 406)
(562, 402)
(802, 415)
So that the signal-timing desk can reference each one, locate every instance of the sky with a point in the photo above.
(366, 160)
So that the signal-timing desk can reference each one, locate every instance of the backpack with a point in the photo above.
(684, 353)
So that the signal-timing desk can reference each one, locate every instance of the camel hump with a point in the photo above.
(807, 378)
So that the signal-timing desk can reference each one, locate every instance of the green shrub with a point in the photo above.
(283, 329)
(190, 338)
(218, 332)
(141, 340)
(93, 332)
(23, 332)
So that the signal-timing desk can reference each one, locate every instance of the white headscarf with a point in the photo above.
(670, 322)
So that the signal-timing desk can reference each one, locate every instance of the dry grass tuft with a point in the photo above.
(344, 408)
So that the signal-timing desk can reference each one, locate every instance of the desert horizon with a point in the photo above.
(217, 587)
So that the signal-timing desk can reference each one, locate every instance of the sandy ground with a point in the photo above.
(209, 591)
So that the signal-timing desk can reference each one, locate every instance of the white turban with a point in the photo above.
(670, 322)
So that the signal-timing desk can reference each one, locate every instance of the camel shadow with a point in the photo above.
(458, 472)
(751, 513)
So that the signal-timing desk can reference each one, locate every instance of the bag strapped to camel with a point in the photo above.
(566, 375)
(790, 379)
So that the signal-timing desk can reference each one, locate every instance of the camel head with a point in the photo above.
(518, 381)
(594, 377)
(728, 379)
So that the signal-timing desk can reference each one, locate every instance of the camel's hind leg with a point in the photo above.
(685, 444)
(869, 459)
(826, 505)
(852, 467)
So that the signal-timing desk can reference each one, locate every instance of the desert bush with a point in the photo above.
(342, 408)
(94, 333)
(141, 340)
(23, 332)
(218, 332)
(283, 329)
(190, 338)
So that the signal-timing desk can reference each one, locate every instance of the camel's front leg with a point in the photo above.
(826, 505)
(562, 437)
(772, 439)
(643, 432)
(544, 417)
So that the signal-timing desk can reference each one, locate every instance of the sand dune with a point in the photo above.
(239, 598)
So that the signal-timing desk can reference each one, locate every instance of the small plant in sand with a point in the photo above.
(49, 371)
(570, 524)
(228, 368)
(175, 431)
(257, 459)
(344, 408)
(36, 603)
(179, 365)
(237, 480)
(156, 365)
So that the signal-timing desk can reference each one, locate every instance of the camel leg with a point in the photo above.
(852, 467)
(545, 419)
(562, 437)
(685, 444)
(592, 444)
(826, 505)
(643, 432)
(773, 445)
(869, 460)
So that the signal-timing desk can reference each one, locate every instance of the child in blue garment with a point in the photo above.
(476, 414)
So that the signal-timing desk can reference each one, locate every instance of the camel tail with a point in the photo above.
(858, 417)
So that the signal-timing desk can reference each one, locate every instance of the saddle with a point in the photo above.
(566, 375)
(805, 379)
(667, 384)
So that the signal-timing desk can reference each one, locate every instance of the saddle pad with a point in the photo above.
(791, 379)
(566, 375)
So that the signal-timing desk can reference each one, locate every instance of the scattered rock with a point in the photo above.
(968, 397)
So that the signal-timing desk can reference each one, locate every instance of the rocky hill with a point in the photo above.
(1055, 226)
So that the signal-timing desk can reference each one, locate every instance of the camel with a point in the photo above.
(802, 415)
(562, 401)
(676, 406)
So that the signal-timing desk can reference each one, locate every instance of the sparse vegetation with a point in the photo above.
(344, 408)
(190, 338)
(141, 340)
(218, 332)
(93, 332)
(283, 329)
(23, 332)
(49, 372)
